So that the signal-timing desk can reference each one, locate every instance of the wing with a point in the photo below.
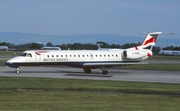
(111, 64)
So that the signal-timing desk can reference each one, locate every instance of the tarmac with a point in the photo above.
(77, 73)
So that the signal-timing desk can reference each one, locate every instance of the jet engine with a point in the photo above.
(134, 54)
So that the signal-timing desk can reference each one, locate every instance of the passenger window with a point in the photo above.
(56, 55)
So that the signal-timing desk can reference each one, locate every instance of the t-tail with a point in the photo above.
(150, 40)
(143, 51)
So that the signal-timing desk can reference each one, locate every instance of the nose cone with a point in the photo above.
(7, 63)
(11, 63)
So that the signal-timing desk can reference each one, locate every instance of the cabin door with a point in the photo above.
(38, 58)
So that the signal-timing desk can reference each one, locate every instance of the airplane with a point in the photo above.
(86, 59)
(4, 48)
(169, 52)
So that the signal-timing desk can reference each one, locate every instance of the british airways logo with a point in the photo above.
(151, 40)
(41, 51)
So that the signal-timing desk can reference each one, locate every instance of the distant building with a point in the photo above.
(51, 48)
(3, 48)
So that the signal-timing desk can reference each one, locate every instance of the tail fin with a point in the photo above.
(143, 49)
(150, 39)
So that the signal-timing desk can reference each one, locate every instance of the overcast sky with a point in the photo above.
(67, 17)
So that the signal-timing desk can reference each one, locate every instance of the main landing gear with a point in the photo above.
(87, 70)
(103, 70)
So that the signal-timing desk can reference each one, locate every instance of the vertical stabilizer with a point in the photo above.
(150, 39)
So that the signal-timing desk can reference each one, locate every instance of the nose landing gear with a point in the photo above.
(17, 70)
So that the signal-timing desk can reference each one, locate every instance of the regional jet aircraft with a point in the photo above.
(86, 59)
(169, 52)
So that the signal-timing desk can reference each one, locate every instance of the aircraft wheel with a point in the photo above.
(17, 71)
(104, 72)
(87, 70)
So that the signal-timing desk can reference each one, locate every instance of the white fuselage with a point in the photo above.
(74, 58)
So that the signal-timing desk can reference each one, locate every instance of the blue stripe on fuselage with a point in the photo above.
(71, 64)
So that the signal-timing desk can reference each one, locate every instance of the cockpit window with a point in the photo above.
(26, 55)
(23, 54)
(29, 55)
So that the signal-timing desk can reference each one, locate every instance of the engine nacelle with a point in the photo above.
(134, 54)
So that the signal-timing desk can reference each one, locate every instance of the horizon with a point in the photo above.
(21, 38)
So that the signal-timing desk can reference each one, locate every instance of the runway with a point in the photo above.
(77, 73)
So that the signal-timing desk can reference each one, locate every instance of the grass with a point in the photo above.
(9, 53)
(161, 57)
(44, 94)
(153, 66)
(47, 84)
(2, 62)
(83, 101)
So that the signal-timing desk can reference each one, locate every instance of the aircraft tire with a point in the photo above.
(17, 71)
(104, 72)
(87, 70)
